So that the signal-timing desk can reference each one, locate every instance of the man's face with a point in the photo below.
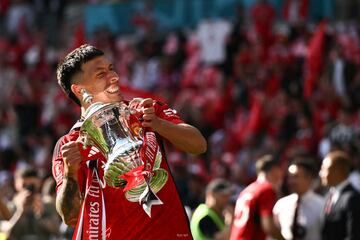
(100, 80)
(299, 180)
(327, 173)
(276, 174)
(222, 199)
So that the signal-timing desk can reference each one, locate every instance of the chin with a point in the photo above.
(112, 99)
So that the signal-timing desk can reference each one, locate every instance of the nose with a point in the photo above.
(114, 77)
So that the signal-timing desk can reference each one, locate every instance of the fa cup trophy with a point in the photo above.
(133, 163)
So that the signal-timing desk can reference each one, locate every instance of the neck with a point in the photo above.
(340, 181)
(302, 193)
(215, 208)
(211, 204)
(263, 178)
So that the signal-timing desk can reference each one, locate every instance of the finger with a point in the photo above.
(135, 101)
(69, 145)
(147, 102)
(147, 124)
(72, 159)
(150, 110)
(71, 153)
(148, 117)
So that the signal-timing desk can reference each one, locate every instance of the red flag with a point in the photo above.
(314, 59)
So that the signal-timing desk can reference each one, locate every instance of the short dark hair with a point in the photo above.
(219, 185)
(307, 164)
(71, 65)
(265, 163)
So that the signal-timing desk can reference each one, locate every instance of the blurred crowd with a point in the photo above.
(263, 82)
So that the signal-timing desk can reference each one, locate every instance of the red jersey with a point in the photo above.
(254, 202)
(125, 219)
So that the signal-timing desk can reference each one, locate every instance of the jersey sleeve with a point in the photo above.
(267, 201)
(165, 112)
(58, 163)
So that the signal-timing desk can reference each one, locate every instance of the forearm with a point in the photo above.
(4, 210)
(16, 222)
(68, 201)
(268, 225)
(184, 137)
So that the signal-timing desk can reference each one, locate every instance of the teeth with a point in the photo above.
(114, 89)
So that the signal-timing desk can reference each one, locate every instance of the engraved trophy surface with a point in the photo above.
(118, 134)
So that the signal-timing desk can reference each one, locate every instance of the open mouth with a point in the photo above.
(113, 89)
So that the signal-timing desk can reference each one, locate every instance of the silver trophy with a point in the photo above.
(117, 133)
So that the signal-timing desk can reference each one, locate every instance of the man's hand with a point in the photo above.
(72, 158)
(23, 200)
(184, 136)
(144, 109)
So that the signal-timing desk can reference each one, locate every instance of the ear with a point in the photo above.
(76, 90)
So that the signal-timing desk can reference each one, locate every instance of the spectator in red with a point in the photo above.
(263, 15)
(253, 218)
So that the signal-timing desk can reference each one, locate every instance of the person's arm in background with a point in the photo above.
(23, 202)
(4, 210)
(229, 217)
(268, 226)
(68, 197)
(184, 136)
(266, 204)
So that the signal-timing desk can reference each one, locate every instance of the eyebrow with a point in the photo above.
(97, 69)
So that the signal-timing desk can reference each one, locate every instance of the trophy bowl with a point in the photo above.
(118, 135)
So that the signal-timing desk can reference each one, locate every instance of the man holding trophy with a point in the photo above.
(113, 181)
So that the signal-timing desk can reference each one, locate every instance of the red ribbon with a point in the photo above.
(92, 220)
(148, 152)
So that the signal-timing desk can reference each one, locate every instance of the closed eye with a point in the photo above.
(100, 74)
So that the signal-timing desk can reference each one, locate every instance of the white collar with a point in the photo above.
(336, 191)
(338, 188)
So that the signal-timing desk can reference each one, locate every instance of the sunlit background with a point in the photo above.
(281, 78)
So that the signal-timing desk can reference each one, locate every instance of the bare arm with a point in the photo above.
(14, 226)
(184, 136)
(268, 225)
(68, 201)
(4, 210)
(68, 198)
